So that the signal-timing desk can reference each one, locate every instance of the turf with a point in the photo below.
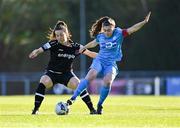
(119, 111)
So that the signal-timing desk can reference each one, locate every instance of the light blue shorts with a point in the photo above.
(104, 68)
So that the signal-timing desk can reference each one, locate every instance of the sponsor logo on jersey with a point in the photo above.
(69, 56)
(108, 45)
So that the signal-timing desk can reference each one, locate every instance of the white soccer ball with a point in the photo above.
(61, 108)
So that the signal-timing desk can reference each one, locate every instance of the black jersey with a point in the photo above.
(61, 56)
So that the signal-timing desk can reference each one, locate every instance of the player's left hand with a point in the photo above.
(147, 17)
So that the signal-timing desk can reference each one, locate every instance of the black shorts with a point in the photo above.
(60, 78)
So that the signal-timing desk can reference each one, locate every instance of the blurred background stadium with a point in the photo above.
(151, 62)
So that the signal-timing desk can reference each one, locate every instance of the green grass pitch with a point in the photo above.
(119, 112)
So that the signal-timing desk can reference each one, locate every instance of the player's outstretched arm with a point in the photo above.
(90, 53)
(91, 44)
(139, 25)
(35, 53)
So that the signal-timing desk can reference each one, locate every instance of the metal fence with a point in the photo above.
(127, 83)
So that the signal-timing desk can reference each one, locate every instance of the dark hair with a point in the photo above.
(60, 25)
(96, 27)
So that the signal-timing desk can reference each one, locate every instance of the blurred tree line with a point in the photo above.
(24, 25)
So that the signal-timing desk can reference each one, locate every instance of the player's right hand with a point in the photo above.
(82, 49)
(33, 54)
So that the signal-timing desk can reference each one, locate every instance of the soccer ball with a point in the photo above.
(61, 108)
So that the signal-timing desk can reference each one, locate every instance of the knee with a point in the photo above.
(107, 82)
(73, 83)
(47, 82)
(90, 78)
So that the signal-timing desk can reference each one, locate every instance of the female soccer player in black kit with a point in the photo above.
(59, 70)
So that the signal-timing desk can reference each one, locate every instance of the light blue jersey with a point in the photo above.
(110, 47)
(109, 53)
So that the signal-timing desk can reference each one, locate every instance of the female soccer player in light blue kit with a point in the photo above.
(110, 39)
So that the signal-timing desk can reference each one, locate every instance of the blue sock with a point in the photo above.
(103, 94)
(82, 85)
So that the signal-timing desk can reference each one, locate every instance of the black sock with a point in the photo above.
(86, 98)
(39, 95)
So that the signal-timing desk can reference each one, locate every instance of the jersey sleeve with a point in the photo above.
(77, 47)
(48, 45)
(97, 38)
(123, 32)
